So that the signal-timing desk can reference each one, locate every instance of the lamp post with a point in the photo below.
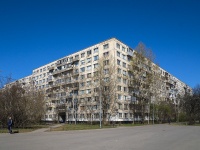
(100, 101)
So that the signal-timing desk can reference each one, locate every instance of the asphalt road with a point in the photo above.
(157, 137)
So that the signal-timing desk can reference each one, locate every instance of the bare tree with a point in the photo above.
(23, 104)
(143, 77)
(190, 104)
(105, 83)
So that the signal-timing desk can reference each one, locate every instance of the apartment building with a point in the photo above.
(69, 84)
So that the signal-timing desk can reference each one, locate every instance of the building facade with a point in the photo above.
(69, 84)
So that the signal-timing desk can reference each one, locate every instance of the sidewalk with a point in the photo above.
(47, 129)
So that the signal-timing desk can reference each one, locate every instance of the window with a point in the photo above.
(106, 79)
(124, 72)
(96, 57)
(89, 67)
(82, 69)
(106, 71)
(125, 89)
(123, 48)
(89, 52)
(88, 91)
(119, 88)
(96, 90)
(106, 54)
(119, 79)
(96, 50)
(89, 60)
(96, 65)
(119, 97)
(106, 46)
(123, 56)
(89, 75)
(82, 92)
(119, 71)
(96, 73)
(40, 70)
(124, 64)
(117, 45)
(82, 84)
(125, 115)
(124, 81)
(125, 107)
(77, 57)
(82, 55)
(118, 62)
(88, 83)
(82, 62)
(118, 54)
(120, 115)
(106, 62)
(82, 76)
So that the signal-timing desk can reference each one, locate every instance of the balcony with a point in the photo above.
(130, 53)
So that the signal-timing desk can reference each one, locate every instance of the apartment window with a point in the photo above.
(119, 88)
(126, 115)
(82, 55)
(106, 79)
(125, 107)
(82, 62)
(82, 76)
(95, 107)
(89, 67)
(119, 97)
(88, 91)
(125, 89)
(117, 45)
(106, 54)
(96, 65)
(89, 60)
(118, 62)
(96, 98)
(82, 84)
(120, 115)
(88, 83)
(106, 62)
(82, 69)
(106, 46)
(96, 57)
(77, 57)
(89, 52)
(124, 64)
(96, 90)
(118, 54)
(124, 72)
(119, 79)
(106, 71)
(124, 81)
(123, 56)
(89, 75)
(82, 92)
(43, 81)
(95, 73)
(123, 48)
(40, 70)
(119, 71)
(96, 50)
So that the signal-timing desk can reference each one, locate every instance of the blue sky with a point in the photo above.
(36, 32)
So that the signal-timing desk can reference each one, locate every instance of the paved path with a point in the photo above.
(151, 137)
(47, 129)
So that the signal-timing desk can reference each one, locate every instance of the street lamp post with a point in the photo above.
(100, 101)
